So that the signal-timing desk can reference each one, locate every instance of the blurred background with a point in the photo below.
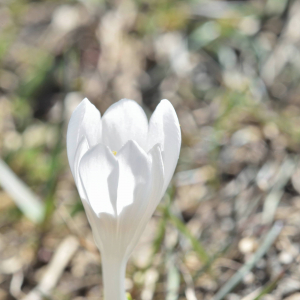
(229, 226)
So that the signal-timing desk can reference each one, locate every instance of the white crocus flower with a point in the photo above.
(122, 166)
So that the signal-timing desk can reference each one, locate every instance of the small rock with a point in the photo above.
(250, 134)
(268, 297)
(287, 287)
(270, 130)
(247, 245)
(232, 296)
(285, 257)
(249, 278)
(295, 296)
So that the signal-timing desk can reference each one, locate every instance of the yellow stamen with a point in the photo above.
(114, 152)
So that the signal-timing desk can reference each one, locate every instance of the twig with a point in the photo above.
(60, 260)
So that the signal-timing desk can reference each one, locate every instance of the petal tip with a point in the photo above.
(166, 102)
(82, 106)
(132, 146)
(87, 103)
(130, 143)
(126, 100)
(156, 147)
(166, 106)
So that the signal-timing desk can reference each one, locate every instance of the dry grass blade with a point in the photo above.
(273, 199)
(173, 281)
(239, 275)
(21, 194)
(60, 260)
(151, 278)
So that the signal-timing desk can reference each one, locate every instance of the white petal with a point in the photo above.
(123, 121)
(91, 216)
(103, 226)
(164, 129)
(82, 148)
(93, 219)
(99, 173)
(133, 192)
(85, 122)
(157, 177)
(154, 196)
(134, 176)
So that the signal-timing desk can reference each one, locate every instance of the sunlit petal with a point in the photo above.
(123, 121)
(99, 174)
(153, 197)
(164, 130)
(85, 122)
(134, 176)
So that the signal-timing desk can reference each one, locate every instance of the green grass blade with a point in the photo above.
(198, 248)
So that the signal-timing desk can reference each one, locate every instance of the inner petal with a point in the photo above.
(123, 121)
(134, 177)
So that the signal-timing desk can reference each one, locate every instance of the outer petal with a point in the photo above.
(82, 148)
(103, 228)
(153, 197)
(99, 173)
(123, 121)
(85, 122)
(164, 129)
(157, 178)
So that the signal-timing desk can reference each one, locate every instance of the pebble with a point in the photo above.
(247, 245)
(232, 296)
(249, 278)
(295, 296)
(285, 258)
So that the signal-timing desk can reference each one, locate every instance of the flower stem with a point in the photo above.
(113, 273)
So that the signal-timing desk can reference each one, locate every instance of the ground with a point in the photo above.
(229, 224)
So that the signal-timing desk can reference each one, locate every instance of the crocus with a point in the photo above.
(122, 167)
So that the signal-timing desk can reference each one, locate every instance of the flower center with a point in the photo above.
(114, 152)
